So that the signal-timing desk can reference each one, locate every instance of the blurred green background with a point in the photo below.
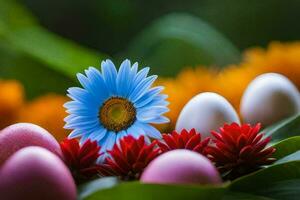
(44, 43)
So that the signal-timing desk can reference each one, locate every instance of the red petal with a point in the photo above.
(257, 138)
(163, 146)
(119, 159)
(245, 152)
(170, 141)
(261, 145)
(116, 167)
(266, 153)
(89, 159)
(217, 135)
(242, 141)
(195, 140)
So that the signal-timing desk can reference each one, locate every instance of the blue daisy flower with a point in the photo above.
(113, 104)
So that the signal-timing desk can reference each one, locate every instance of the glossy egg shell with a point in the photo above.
(181, 167)
(21, 135)
(34, 173)
(206, 112)
(268, 99)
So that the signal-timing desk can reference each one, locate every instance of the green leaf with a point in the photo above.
(21, 30)
(285, 129)
(89, 188)
(287, 150)
(42, 61)
(278, 181)
(283, 190)
(110, 188)
(138, 191)
(178, 40)
(243, 196)
(59, 54)
(292, 157)
(269, 179)
(13, 15)
(286, 147)
(36, 78)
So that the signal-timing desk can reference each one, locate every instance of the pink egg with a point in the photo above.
(34, 173)
(20, 135)
(181, 167)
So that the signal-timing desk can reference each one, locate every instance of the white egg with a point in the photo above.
(269, 98)
(206, 112)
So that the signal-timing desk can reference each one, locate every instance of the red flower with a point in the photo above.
(185, 140)
(128, 159)
(81, 160)
(239, 150)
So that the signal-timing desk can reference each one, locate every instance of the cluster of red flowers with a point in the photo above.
(81, 159)
(235, 150)
(190, 140)
(129, 159)
(239, 150)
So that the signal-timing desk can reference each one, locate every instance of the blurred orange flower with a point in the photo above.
(232, 81)
(11, 100)
(283, 58)
(48, 112)
(182, 88)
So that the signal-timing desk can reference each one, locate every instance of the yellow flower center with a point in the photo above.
(117, 114)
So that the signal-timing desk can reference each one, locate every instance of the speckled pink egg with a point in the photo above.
(181, 167)
(20, 135)
(34, 173)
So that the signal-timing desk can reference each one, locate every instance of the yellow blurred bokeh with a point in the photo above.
(11, 101)
(48, 112)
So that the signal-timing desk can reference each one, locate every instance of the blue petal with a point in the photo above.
(149, 112)
(83, 112)
(79, 122)
(84, 119)
(84, 81)
(83, 138)
(134, 69)
(109, 74)
(141, 75)
(157, 101)
(131, 78)
(72, 120)
(82, 131)
(123, 79)
(142, 88)
(99, 86)
(109, 142)
(135, 130)
(70, 117)
(98, 134)
(106, 144)
(150, 130)
(120, 135)
(147, 97)
(75, 133)
(92, 88)
(74, 104)
(156, 120)
(81, 95)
